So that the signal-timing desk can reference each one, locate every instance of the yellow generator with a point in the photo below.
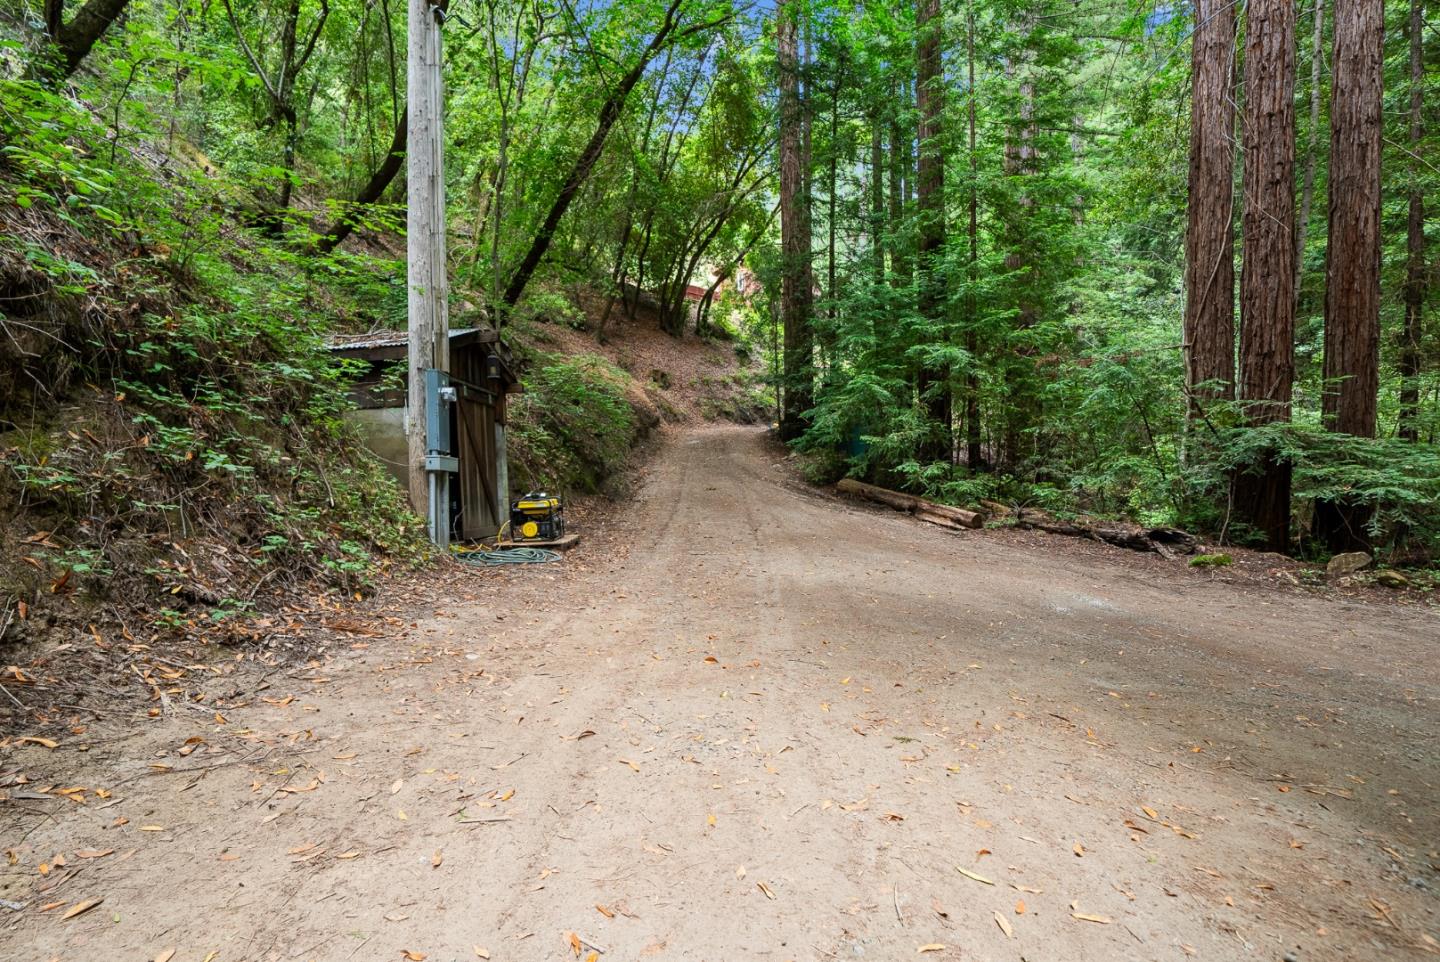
(537, 517)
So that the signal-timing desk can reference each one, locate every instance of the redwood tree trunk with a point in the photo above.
(933, 383)
(973, 455)
(877, 199)
(795, 284)
(1209, 336)
(1415, 285)
(1352, 255)
(1307, 192)
(1267, 279)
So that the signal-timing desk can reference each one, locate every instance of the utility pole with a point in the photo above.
(425, 251)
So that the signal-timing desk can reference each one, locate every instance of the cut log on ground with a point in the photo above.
(1168, 542)
(944, 515)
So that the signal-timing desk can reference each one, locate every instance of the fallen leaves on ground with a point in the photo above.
(973, 875)
(80, 908)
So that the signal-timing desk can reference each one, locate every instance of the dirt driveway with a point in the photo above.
(772, 726)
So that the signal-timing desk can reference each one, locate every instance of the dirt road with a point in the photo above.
(777, 726)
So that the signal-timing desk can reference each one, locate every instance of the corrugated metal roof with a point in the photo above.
(366, 342)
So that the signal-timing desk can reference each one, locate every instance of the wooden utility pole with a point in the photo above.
(425, 230)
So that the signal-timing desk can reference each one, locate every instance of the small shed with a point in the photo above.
(482, 372)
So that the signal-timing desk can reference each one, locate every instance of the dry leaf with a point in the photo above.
(481, 953)
(399, 784)
(932, 947)
(1020, 907)
(574, 943)
(37, 740)
(436, 859)
(1090, 918)
(971, 875)
(740, 872)
(710, 820)
(412, 956)
(769, 893)
(80, 908)
(349, 855)
(593, 957)
(94, 852)
(165, 956)
(1150, 813)
(625, 761)
(604, 911)
(1004, 924)
(152, 828)
(711, 660)
(1079, 850)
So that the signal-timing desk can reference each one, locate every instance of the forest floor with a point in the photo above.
(747, 720)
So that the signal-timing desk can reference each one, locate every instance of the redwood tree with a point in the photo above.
(795, 282)
(1352, 254)
(1267, 279)
(933, 383)
(1415, 286)
(1209, 334)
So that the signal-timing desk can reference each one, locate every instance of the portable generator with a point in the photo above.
(537, 517)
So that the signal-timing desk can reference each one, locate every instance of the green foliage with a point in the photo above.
(1219, 560)
(171, 376)
(573, 426)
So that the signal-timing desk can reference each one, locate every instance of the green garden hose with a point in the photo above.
(509, 556)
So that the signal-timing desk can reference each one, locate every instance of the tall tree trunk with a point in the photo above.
(580, 170)
(1312, 147)
(1352, 254)
(877, 199)
(1267, 298)
(1209, 333)
(72, 42)
(899, 184)
(830, 292)
(933, 383)
(794, 233)
(973, 455)
(1415, 286)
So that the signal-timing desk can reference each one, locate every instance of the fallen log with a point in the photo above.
(1163, 541)
(942, 514)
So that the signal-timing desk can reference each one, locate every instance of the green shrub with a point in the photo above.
(573, 427)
